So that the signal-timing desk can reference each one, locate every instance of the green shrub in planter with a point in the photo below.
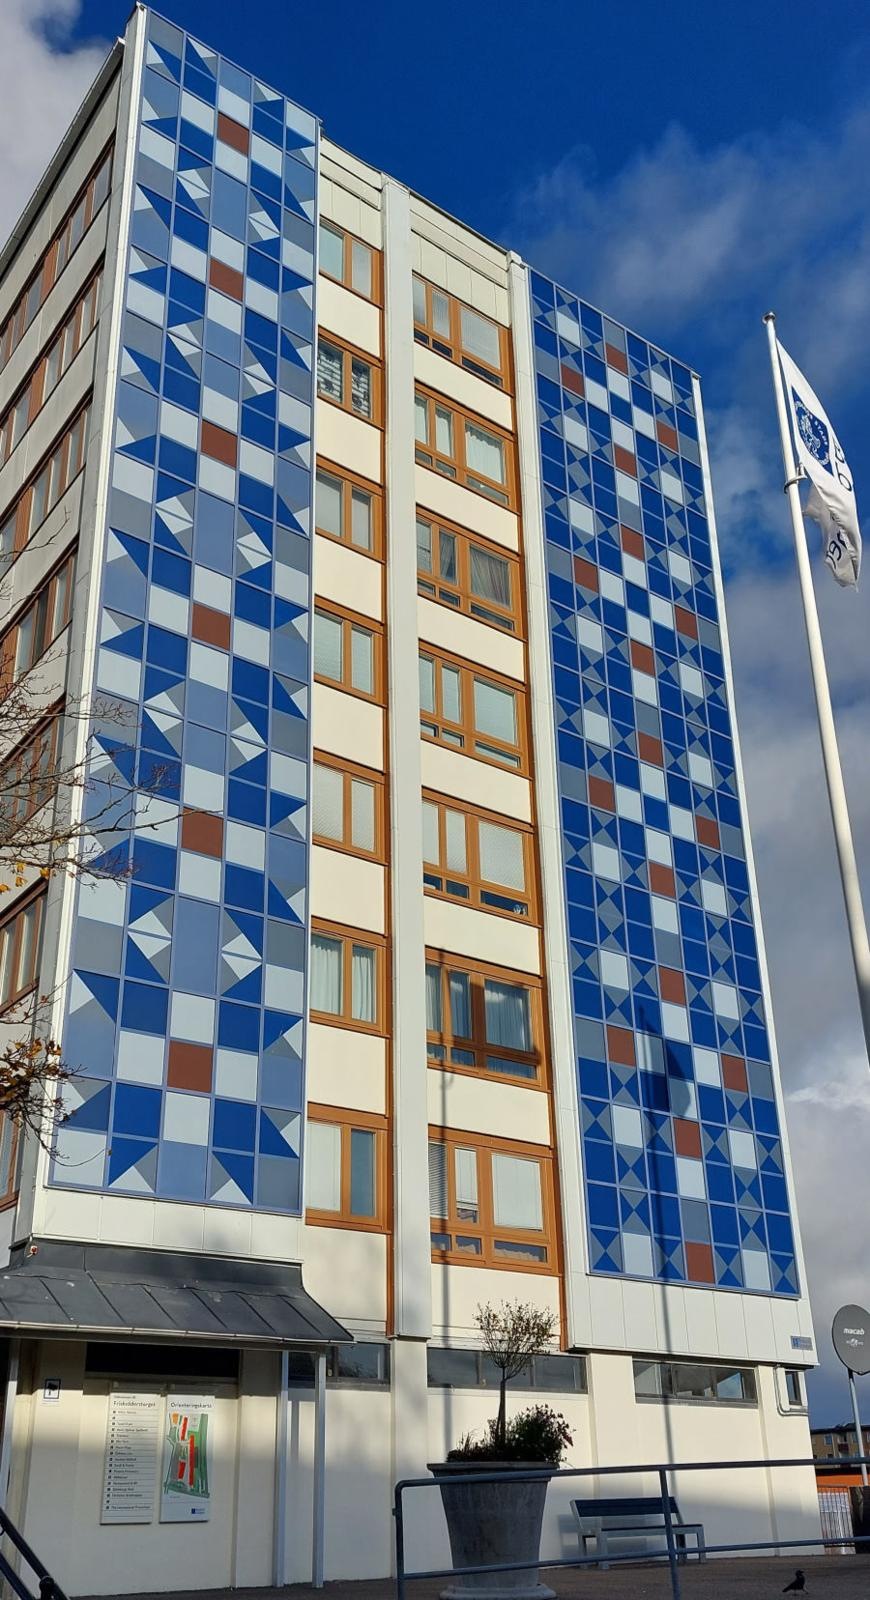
(537, 1434)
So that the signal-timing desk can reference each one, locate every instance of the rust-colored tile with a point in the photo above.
(571, 380)
(219, 444)
(699, 1263)
(620, 1046)
(202, 832)
(225, 278)
(601, 794)
(687, 622)
(616, 358)
(642, 657)
(233, 133)
(211, 627)
(632, 542)
(661, 880)
(672, 984)
(585, 574)
(624, 460)
(708, 832)
(687, 1138)
(667, 434)
(650, 749)
(734, 1074)
(190, 1066)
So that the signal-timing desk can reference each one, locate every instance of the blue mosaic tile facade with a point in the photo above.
(683, 1164)
(186, 1011)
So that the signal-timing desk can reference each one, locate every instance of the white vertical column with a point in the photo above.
(562, 1055)
(412, 1252)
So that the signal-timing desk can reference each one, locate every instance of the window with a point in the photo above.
(460, 333)
(8, 1158)
(358, 1366)
(349, 379)
(461, 447)
(690, 1381)
(481, 1022)
(473, 1369)
(350, 261)
(49, 370)
(348, 509)
(27, 778)
(57, 255)
(477, 859)
(51, 480)
(38, 626)
(466, 574)
(19, 951)
(793, 1387)
(347, 808)
(490, 1204)
(461, 708)
(346, 978)
(345, 1169)
(347, 653)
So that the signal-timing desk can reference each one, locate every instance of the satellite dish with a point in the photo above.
(851, 1335)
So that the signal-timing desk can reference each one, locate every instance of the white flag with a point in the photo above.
(831, 502)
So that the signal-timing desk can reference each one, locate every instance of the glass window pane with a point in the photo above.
(502, 858)
(327, 508)
(24, 645)
(331, 251)
(465, 1178)
(516, 1193)
(456, 853)
(647, 1377)
(26, 948)
(361, 519)
(490, 576)
(362, 1172)
(507, 1015)
(362, 814)
(495, 711)
(6, 947)
(52, 367)
(363, 984)
(484, 453)
(328, 646)
(479, 336)
(327, 975)
(421, 419)
(441, 314)
(427, 683)
(437, 1180)
(101, 182)
(451, 1369)
(693, 1382)
(361, 268)
(443, 431)
(460, 1005)
(7, 540)
(451, 693)
(39, 499)
(323, 1166)
(419, 299)
(329, 371)
(5, 1154)
(431, 847)
(362, 661)
(361, 387)
(447, 555)
(424, 545)
(433, 998)
(328, 802)
(61, 600)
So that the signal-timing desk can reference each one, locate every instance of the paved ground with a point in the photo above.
(749, 1578)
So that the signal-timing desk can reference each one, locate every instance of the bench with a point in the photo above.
(633, 1517)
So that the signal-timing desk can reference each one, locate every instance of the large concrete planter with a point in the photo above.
(490, 1522)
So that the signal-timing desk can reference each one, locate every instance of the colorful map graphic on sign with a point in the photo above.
(186, 1494)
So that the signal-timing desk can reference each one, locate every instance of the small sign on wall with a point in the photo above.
(51, 1389)
(132, 1443)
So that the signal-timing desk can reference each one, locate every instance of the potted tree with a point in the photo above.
(500, 1522)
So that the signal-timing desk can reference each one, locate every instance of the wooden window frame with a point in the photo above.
(455, 467)
(478, 973)
(505, 619)
(9, 639)
(19, 772)
(53, 260)
(9, 1129)
(16, 916)
(350, 353)
(350, 620)
(452, 347)
(17, 527)
(349, 1121)
(349, 482)
(346, 279)
(349, 937)
(351, 772)
(485, 1229)
(479, 887)
(464, 728)
(34, 389)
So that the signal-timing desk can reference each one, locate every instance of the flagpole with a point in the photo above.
(827, 732)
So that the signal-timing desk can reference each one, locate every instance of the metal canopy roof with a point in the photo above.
(98, 1290)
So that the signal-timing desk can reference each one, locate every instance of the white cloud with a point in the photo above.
(42, 81)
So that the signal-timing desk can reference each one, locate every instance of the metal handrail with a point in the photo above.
(671, 1529)
(49, 1588)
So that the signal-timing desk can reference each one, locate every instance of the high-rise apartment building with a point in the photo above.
(419, 962)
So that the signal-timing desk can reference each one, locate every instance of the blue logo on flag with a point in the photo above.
(814, 433)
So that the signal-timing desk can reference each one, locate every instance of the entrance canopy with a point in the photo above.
(54, 1287)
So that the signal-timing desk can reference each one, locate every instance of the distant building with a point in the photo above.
(831, 1443)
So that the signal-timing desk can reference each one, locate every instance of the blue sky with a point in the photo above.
(687, 167)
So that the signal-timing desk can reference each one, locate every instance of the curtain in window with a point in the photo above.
(490, 576)
(363, 1000)
(460, 1005)
(327, 796)
(484, 453)
(479, 336)
(495, 711)
(328, 504)
(323, 1166)
(516, 1193)
(424, 545)
(441, 313)
(361, 268)
(447, 556)
(421, 419)
(362, 814)
(362, 1172)
(327, 646)
(361, 387)
(455, 833)
(331, 251)
(443, 431)
(437, 1180)
(329, 371)
(507, 1015)
(419, 290)
(431, 848)
(502, 858)
(362, 660)
(361, 519)
(451, 693)
(326, 968)
(433, 998)
(465, 1174)
(427, 683)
